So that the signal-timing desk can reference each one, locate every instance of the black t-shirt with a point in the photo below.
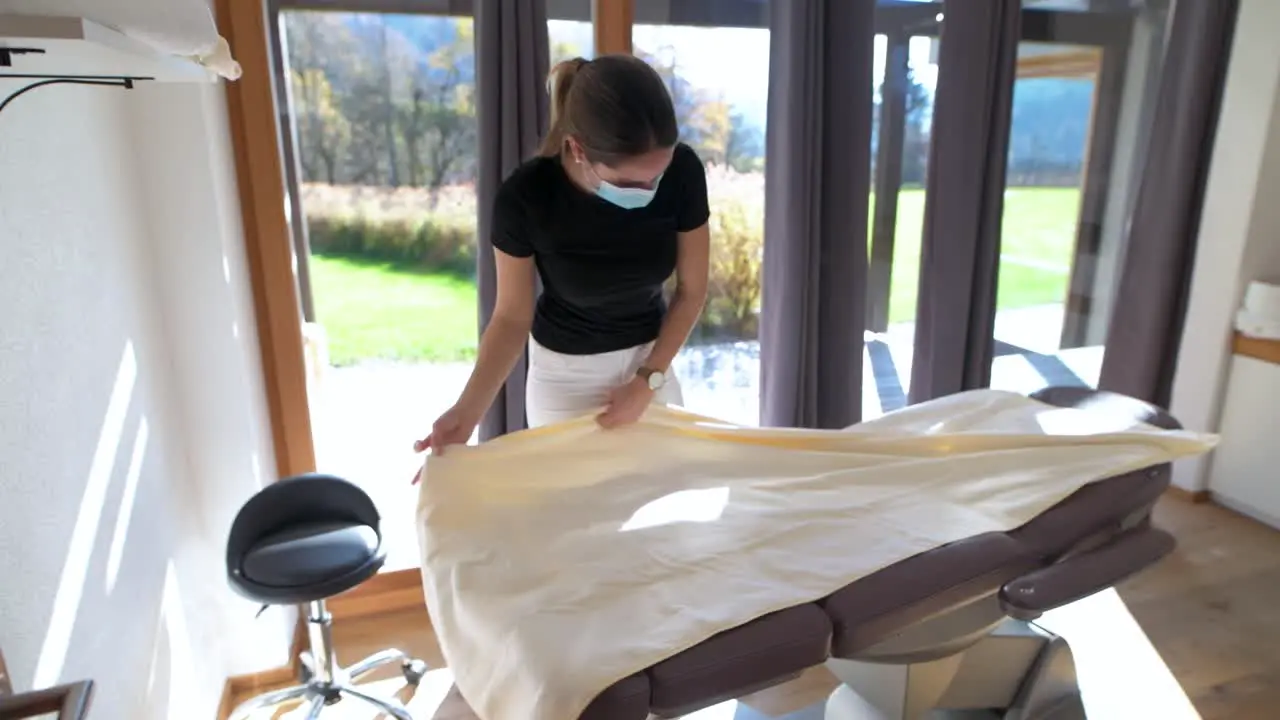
(602, 267)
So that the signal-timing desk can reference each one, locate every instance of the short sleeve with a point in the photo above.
(694, 207)
(510, 232)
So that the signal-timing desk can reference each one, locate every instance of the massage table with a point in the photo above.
(949, 630)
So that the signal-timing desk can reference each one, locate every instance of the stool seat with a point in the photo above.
(310, 553)
(303, 540)
(300, 541)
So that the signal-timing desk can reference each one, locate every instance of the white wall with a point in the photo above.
(1239, 237)
(132, 424)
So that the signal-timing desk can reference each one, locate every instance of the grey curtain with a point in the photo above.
(1150, 304)
(512, 57)
(964, 202)
(817, 179)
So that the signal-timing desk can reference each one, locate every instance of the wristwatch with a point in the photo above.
(655, 378)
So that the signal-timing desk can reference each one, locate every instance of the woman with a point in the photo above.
(609, 209)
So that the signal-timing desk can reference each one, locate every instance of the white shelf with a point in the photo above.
(77, 47)
(1245, 477)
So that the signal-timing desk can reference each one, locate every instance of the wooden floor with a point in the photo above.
(1212, 612)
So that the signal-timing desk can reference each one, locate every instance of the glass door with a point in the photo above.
(715, 59)
(1083, 97)
(906, 74)
(1081, 105)
(381, 160)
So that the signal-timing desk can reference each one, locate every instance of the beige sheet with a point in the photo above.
(558, 560)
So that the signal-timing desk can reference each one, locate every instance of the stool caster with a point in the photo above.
(318, 694)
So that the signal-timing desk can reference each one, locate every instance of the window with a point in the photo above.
(1083, 98)
(383, 146)
(383, 107)
(1082, 94)
(718, 78)
(569, 39)
(905, 75)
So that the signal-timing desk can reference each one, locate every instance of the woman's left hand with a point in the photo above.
(626, 404)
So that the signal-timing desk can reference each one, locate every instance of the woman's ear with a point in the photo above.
(575, 150)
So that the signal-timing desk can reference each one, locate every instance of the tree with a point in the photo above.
(916, 130)
(706, 121)
(390, 99)
(319, 41)
(451, 117)
(684, 97)
(561, 51)
(710, 127)
(915, 141)
(326, 133)
(388, 118)
(742, 150)
(374, 79)
(316, 44)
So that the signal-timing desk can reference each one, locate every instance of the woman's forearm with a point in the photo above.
(682, 315)
(500, 347)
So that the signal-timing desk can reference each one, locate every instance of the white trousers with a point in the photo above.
(562, 387)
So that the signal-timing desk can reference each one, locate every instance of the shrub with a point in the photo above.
(437, 231)
(434, 231)
(737, 252)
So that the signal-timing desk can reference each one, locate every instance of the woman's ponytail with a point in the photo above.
(559, 80)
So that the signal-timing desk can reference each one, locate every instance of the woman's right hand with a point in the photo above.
(454, 427)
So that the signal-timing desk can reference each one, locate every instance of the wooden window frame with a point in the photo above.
(259, 172)
(612, 21)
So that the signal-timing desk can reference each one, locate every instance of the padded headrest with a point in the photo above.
(1094, 512)
(1112, 404)
(1099, 509)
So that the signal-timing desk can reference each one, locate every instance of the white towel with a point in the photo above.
(184, 28)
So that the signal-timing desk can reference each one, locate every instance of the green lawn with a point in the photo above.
(1037, 239)
(379, 310)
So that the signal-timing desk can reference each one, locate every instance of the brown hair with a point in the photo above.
(615, 106)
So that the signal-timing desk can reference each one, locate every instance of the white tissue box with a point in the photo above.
(1260, 316)
(1257, 326)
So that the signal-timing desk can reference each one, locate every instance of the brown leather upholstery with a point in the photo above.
(1095, 538)
(741, 660)
(920, 587)
(1096, 511)
(627, 699)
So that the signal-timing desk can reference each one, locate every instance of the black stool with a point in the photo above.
(298, 542)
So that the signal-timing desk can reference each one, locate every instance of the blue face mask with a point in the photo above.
(627, 198)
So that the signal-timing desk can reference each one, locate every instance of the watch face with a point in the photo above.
(656, 380)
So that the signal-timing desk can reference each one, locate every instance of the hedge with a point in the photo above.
(436, 231)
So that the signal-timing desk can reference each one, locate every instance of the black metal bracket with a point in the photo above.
(7, 53)
(6, 61)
